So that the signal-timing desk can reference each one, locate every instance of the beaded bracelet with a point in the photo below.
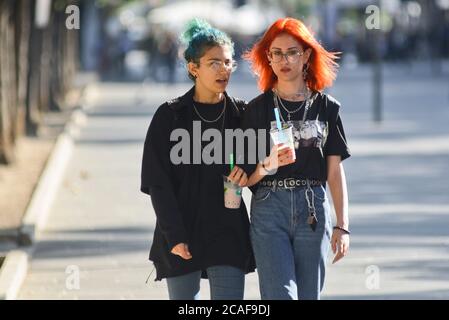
(342, 229)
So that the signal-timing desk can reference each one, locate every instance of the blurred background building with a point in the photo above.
(136, 40)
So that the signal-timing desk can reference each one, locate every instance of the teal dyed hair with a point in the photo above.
(199, 37)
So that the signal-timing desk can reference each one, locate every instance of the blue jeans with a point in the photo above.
(226, 283)
(290, 257)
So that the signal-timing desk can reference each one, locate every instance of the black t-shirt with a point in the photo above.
(220, 229)
(320, 135)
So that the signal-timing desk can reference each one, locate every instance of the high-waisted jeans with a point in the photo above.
(290, 256)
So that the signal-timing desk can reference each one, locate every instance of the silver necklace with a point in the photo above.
(210, 121)
(289, 113)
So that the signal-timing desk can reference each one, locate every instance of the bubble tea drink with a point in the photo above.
(232, 194)
(284, 136)
(232, 191)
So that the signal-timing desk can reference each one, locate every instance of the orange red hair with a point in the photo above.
(322, 66)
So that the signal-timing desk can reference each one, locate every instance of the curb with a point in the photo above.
(12, 274)
(15, 265)
(43, 196)
(37, 212)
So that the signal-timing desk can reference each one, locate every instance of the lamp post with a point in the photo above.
(377, 71)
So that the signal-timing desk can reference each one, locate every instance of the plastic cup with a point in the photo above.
(284, 136)
(232, 194)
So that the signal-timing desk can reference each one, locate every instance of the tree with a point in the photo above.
(37, 66)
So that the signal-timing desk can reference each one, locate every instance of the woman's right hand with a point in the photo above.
(182, 250)
(280, 156)
(238, 176)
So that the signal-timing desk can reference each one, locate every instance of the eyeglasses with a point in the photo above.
(229, 65)
(292, 56)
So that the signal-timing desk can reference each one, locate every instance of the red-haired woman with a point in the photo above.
(291, 229)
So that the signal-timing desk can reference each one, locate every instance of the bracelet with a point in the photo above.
(263, 166)
(342, 229)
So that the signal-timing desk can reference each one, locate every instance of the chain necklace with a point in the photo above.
(210, 121)
(278, 100)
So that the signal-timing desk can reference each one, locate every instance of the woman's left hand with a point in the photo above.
(238, 176)
(340, 244)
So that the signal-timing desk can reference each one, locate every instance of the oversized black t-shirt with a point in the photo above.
(221, 230)
(320, 135)
(188, 199)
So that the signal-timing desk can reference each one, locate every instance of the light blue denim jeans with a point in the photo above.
(290, 256)
(226, 283)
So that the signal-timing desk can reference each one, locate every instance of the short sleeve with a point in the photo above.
(336, 144)
(249, 122)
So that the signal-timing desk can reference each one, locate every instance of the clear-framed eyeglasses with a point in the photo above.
(292, 56)
(216, 65)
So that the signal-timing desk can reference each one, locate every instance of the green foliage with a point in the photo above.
(113, 3)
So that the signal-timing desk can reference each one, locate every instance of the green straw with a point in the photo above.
(231, 161)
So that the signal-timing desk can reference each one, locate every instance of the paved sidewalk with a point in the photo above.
(102, 226)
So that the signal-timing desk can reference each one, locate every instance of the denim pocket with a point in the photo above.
(262, 194)
(320, 193)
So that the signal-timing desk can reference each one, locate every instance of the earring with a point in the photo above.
(305, 70)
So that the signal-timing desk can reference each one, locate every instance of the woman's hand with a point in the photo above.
(238, 176)
(280, 156)
(182, 250)
(340, 244)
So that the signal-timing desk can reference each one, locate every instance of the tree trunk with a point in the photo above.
(46, 67)
(23, 25)
(37, 67)
(64, 60)
(33, 116)
(8, 93)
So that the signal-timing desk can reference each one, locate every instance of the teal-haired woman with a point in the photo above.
(195, 235)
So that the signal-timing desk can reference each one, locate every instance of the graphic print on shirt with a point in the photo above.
(309, 133)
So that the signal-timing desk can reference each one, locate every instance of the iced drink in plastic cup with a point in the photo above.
(284, 136)
(232, 194)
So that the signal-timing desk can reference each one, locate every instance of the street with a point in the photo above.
(100, 225)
